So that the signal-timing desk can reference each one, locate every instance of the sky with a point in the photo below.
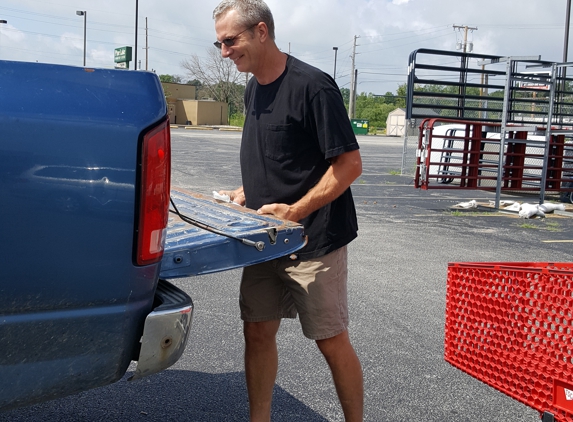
(387, 31)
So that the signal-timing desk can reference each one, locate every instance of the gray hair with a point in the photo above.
(251, 12)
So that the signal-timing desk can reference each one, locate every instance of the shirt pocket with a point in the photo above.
(283, 142)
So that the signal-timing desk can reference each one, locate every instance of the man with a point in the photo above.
(298, 157)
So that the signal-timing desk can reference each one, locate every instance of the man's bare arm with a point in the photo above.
(344, 170)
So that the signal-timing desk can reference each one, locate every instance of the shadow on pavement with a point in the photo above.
(172, 395)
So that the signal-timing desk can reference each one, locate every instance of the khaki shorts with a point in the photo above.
(314, 288)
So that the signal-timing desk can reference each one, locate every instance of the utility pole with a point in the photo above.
(352, 82)
(146, 46)
(464, 63)
(355, 85)
(335, 53)
(466, 29)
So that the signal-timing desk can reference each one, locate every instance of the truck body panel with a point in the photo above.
(69, 145)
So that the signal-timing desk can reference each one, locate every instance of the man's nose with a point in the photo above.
(226, 51)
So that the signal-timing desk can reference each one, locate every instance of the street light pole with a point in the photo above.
(567, 20)
(136, 13)
(85, 15)
(566, 43)
(335, 52)
(2, 21)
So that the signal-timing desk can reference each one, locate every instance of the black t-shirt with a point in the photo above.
(293, 126)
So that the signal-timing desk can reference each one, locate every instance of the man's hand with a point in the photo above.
(284, 211)
(237, 196)
(344, 169)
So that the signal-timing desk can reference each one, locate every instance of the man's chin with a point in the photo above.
(241, 66)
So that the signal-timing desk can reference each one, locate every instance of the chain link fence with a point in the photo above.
(411, 131)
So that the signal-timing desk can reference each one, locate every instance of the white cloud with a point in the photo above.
(70, 40)
(388, 31)
(11, 34)
(104, 57)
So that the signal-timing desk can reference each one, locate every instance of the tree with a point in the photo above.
(401, 92)
(219, 78)
(374, 109)
(389, 98)
(175, 79)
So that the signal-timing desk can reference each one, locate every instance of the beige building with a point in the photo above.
(396, 122)
(185, 109)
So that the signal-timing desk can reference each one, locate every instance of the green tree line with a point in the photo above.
(375, 108)
(217, 78)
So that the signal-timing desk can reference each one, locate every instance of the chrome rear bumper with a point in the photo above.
(165, 332)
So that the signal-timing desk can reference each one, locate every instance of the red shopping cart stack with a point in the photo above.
(510, 325)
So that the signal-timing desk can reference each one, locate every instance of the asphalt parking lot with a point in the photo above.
(397, 290)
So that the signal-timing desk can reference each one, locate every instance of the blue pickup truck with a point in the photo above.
(91, 230)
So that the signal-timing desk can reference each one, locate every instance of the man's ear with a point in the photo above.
(262, 31)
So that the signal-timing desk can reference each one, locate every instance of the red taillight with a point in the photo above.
(154, 198)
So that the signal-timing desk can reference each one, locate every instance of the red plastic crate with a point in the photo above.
(510, 325)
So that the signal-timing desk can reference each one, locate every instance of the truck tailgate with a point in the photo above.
(227, 236)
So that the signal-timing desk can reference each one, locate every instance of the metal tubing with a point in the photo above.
(566, 41)
(506, 95)
(136, 13)
(548, 133)
(85, 22)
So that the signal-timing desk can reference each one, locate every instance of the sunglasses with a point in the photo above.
(229, 42)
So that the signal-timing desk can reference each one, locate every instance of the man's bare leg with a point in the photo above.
(346, 373)
(261, 365)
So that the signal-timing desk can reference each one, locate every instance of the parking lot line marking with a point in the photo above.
(557, 241)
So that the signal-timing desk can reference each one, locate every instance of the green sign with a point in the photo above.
(122, 55)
